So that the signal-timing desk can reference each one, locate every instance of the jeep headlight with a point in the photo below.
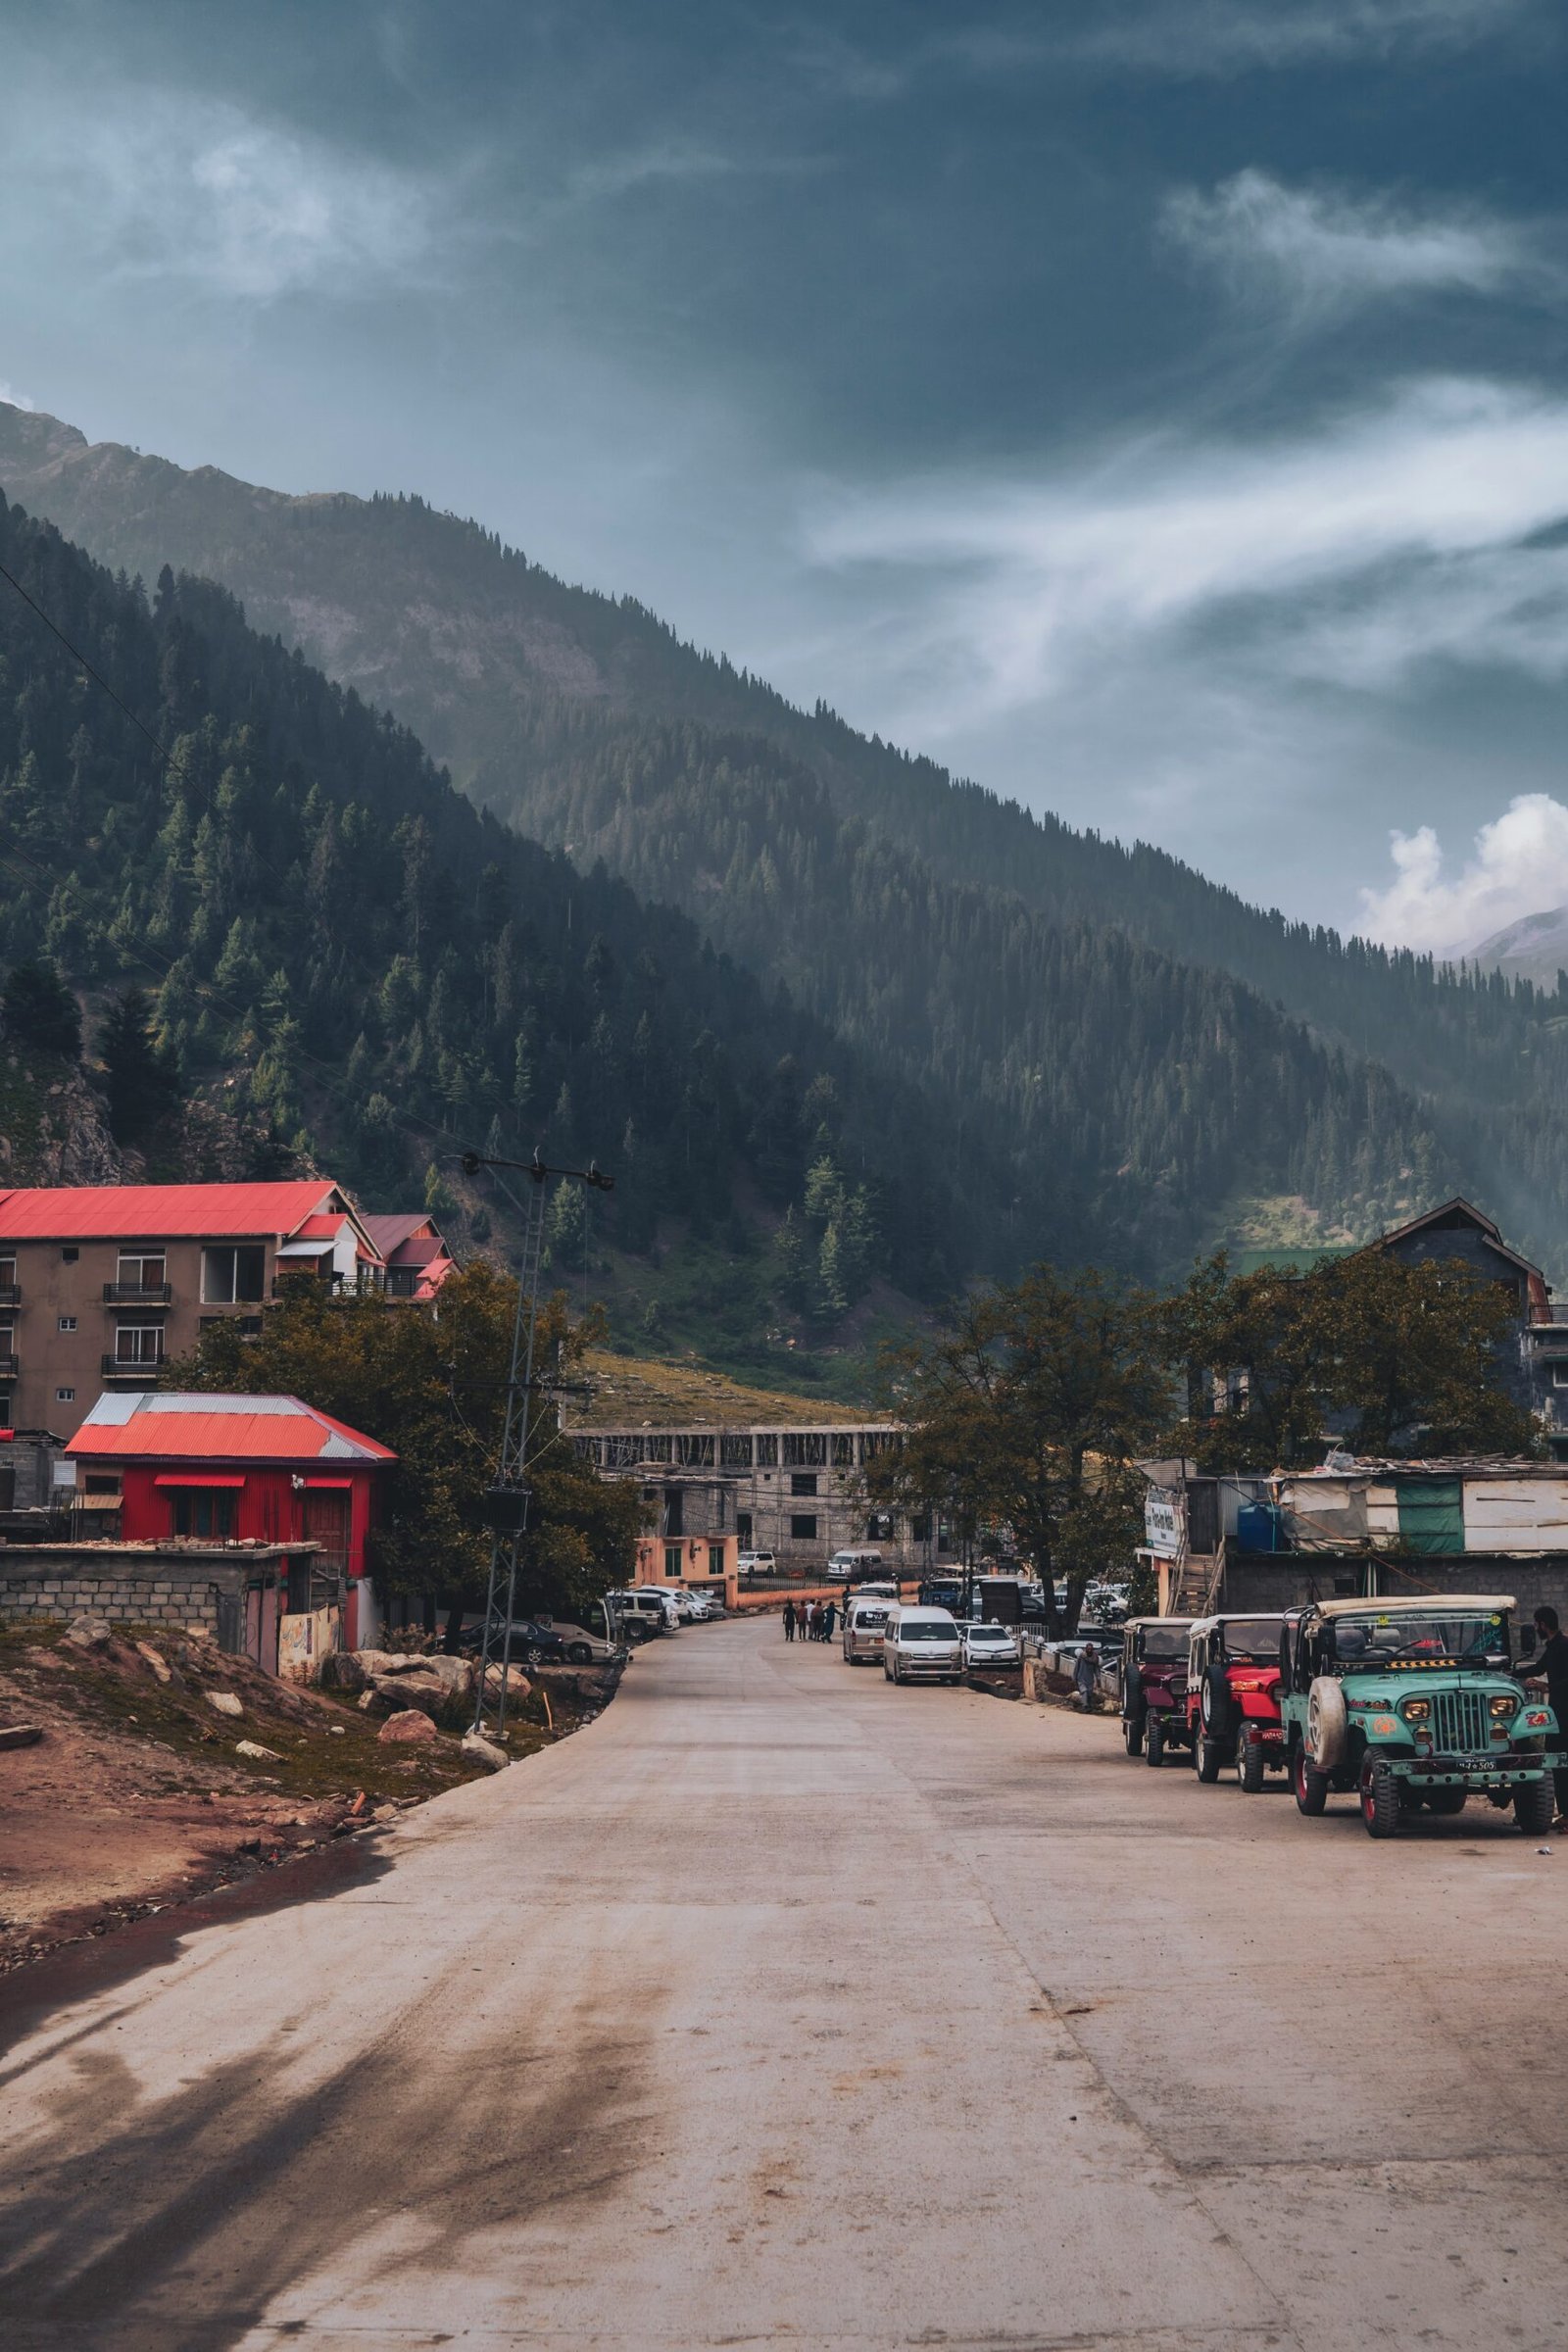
(1416, 1710)
(1503, 1707)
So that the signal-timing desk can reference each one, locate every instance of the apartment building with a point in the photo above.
(102, 1284)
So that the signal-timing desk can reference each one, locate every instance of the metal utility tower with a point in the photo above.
(508, 1497)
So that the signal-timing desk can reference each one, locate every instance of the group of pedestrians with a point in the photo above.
(813, 1620)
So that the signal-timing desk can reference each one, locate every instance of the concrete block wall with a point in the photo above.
(62, 1583)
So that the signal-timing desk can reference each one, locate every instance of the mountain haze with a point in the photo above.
(1137, 1052)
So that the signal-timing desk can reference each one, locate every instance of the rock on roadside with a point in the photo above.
(225, 1703)
(408, 1730)
(485, 1751)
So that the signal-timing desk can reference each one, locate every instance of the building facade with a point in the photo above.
(100, 1286)
(797, 1492)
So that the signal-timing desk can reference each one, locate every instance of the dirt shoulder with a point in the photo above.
(135, 1796)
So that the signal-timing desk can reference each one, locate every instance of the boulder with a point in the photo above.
(342, 1670)
(485, 1751)
(28, 1735)
(389, 1694)
(374, 1661)
(146, 1651)
(411, 1729)
(253, 1748)
(90, 1632)
(225, 1701)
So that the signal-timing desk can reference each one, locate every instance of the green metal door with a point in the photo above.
(1431, 1514)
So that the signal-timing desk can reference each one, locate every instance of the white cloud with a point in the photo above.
(1322, 251)
(1518, 867)
(1193, 37)
(181, 187)
(1348, 555)
(13, 399)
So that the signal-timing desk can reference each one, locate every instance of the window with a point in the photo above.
(673, 1562)
(68, 1257)
(879, 1528)
(735, 1452)
(68, 1323)
(139, 1343)
(8, 1274)
(198, 1511)
(65, 1395)
(843, 1450)
(767, 1453)
(805, 1450)
(803, 1482)
(141, 1271)
(743, 1530)
(920, 1528)
(102, 1482)
(1559, 1372)
(803, 1527)
(716, 1559)
(230, 1274)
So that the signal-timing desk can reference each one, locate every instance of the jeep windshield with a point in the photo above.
(1408, 1638)
(1163, 1644)
(1252, 1641)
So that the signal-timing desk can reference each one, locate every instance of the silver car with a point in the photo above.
(990, 1646)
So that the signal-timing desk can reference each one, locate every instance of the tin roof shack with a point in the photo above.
(242, 1470)
(1359, 1527)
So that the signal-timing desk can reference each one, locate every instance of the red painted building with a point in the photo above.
(217, 1469)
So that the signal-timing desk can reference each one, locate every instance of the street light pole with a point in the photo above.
(508, 1496)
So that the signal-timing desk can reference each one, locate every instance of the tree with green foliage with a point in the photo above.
(141, 1078)
(435, 1393)
(1027, 1413)
(38, 1009)
(1378, 1356)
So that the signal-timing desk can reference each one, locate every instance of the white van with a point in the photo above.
(863, 1621)
(854, 1565)
(921, 1645)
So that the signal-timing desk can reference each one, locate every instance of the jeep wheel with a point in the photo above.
(1535, 1805)
(1155, 1744)
(1250, 1765)
(1208, 1756)
(1380, 1798)
(1132, 1731)
(1446, 1800)
(1311, 1787)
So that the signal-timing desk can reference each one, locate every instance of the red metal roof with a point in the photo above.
(158, 1212)
(324, 1227)
(216, 1428)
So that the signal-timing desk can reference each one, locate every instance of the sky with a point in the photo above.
(1156, 410)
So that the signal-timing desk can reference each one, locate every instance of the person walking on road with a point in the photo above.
(830, 1618)
(1086, 1667)
(1552, 1668)
(789, 1621)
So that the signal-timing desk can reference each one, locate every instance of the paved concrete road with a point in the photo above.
(783, 2007)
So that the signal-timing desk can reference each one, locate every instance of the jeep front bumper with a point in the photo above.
(1508, 1770)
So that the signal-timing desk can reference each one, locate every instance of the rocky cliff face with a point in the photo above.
(52, 1125)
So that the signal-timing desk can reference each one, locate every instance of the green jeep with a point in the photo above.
(1410, 1703)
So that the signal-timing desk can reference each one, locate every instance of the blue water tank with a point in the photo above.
(1257, 1527)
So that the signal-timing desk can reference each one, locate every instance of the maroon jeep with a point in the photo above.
(1153, 1686)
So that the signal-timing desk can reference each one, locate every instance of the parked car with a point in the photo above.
(921, 1645)
(1153, 1686)
(642, 1614)
(885, 1590)
(756, 1563)
(991, 1646)
(1233, 1697)
(1412, 1704)
(863, 1622)
(664, 1597)
(536, 1641)
(704, 1606)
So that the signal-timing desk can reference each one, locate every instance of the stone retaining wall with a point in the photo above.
(156, 1588)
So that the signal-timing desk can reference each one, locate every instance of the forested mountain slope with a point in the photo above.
(980, 948)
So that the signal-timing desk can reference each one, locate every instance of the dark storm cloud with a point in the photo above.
(1158, 410)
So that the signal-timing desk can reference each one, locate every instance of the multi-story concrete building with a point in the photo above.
(101, 1285)
(797, 1490)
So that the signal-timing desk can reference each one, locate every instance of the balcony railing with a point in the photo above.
(10, 1294)
(116, 1367)
(9, 1367)
(138, 1294)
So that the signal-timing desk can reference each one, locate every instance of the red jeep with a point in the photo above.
(1153, 1686)
(1233, 1697)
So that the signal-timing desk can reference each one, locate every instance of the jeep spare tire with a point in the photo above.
(1326, 1726)
(1214, 1702)
(1132, 1694)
